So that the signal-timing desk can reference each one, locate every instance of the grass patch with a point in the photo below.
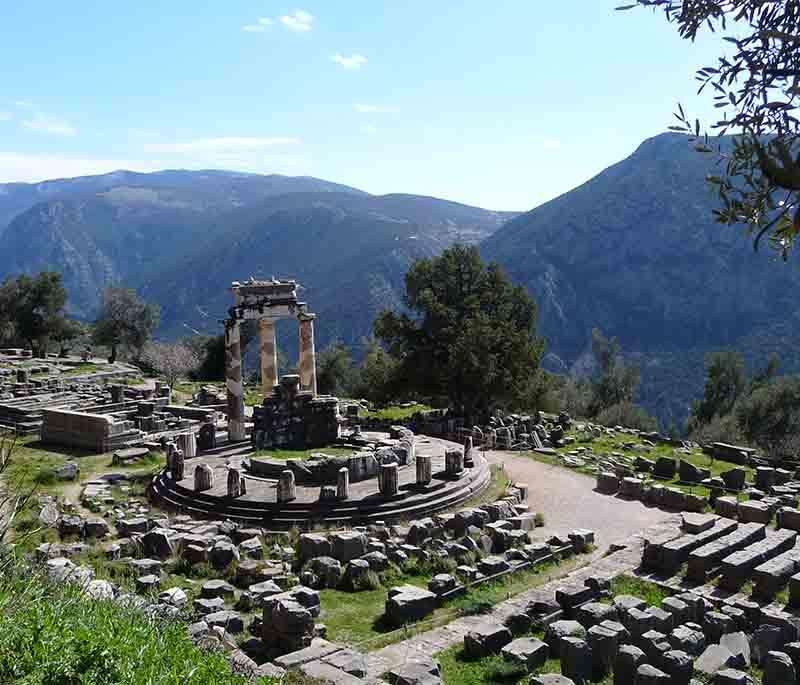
(458, 667)
(496, 490)
(303, 454)
(357, 618)
(53, 634)
(393, 412)
(651, 593)
(606, 444)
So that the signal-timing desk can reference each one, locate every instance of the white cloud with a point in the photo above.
(259, 27)
(298, 21)
(33, 168)
(219, 145)
(5, 116)
(354, 61)
(374, 109)
(44, 124)
(551, 144)
(27, 168)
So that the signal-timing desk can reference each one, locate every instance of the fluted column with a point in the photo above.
(233, 381)
(269, 355)
(308, 355)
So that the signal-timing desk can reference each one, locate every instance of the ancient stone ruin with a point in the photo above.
(292, 415)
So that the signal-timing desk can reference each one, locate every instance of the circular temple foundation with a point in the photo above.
(318, 503)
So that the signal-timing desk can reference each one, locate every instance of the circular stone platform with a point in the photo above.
(260, 508)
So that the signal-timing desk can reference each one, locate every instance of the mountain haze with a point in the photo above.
(635, 251)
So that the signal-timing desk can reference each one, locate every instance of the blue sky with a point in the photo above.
(503, 105)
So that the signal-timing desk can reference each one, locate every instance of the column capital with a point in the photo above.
(306, 316)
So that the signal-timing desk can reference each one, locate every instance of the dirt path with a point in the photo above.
(568, 501)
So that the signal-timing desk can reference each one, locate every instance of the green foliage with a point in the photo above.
(473, 340)
(124, 320)
(651, 593)
(770, 416)
(32, 309)
(726, 380)
(54, 634)
(755, 88)
(379, 372)
(617, 381)
(628, 415)
(719, 429)
(336, 373)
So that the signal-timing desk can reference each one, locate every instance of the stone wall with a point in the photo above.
(90, 431)
(295, 419)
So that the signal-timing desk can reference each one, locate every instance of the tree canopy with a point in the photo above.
(756, 88)
(32, 309)
(124, 320)
(726, 381)
(469, 337)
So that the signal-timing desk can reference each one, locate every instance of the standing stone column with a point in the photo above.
(469, 459)
(424, 469)
(203, 477)
(236, 486)
(286, 490)
(388, 479)
(454, 462)
(269, 356)
(308, 355)
(343, 483)
(169, 450)
(188, 443)
(177, 466)
(117, 394)
(233, 381)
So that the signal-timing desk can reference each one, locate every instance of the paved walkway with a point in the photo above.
(438, 639)
(568, 501)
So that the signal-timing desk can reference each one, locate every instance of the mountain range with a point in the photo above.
(634, 251)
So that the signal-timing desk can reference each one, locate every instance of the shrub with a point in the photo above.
(719, 429)
(45, 476)
(539, 519)
(770, 416)
(475, 606)
(628, 415)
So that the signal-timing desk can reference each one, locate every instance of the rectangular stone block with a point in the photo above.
(736, 568)
(667, 557)
(706, 558)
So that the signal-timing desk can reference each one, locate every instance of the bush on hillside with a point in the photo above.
(719, 429)
(629, 415)
(770, 416)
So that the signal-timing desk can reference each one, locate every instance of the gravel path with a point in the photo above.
(568, 501)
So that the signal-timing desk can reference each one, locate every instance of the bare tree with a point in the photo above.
(172, 360)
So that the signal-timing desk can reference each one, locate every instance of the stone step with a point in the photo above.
(668, 556)
(772, 575)
(705, 560)
(287, 515)
(736, 568)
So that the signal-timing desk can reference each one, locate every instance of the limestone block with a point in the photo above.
(486, 639)
(203, 477)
